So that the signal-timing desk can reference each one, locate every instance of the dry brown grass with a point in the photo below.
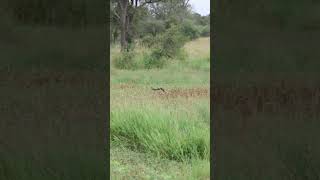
(184, 92)
(198, 48)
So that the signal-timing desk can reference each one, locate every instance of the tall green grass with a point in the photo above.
(157, 131)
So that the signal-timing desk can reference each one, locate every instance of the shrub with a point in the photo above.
(171, 42)
(151, 26)
(148, 41)
(126, 61)
(167, 45)
(154, 60)
(190, 30)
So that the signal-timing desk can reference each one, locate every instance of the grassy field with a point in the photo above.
(159, 135)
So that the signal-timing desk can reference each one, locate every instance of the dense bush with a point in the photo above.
(154, 59)
(190, 30)
(148, 41)
(166, 46)
(150, 27)
(126, 61)
(171, 42)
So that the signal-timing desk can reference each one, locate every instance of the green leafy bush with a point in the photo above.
(168, 45)
(151, 26)
(154, 60)
(126, 61)
(171, 42)
(148, 41)
(190, 30)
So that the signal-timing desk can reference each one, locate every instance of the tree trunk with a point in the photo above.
(128, 33)
(123, 24)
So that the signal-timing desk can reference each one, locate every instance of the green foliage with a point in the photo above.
(200, 20)
(156, 133)
(163, 28)
(165, 46)
(154, 60)
(125, 60)
(150, 26)
(171, 42)
(160, 133)
(148, 41)
(190, 30)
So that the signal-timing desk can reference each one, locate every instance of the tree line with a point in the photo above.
(145, 19)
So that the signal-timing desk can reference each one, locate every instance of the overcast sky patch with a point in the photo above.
(201, 6)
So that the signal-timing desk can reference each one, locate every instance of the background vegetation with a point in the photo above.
(162, 135)
(161, 27)
(155, 134)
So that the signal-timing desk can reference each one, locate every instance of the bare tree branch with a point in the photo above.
(186, 3)
(116, 14)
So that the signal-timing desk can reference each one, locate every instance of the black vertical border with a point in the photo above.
(212, 71)
(107, 133)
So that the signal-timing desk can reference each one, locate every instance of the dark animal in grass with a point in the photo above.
(158, 89)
